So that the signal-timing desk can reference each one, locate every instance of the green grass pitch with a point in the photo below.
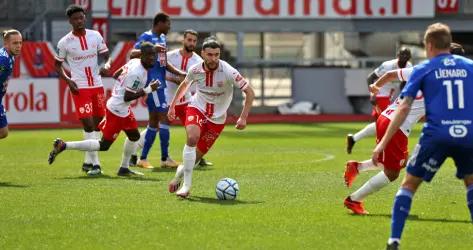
(291, 197)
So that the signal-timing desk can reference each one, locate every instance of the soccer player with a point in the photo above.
(12, 42)
(207, 111)
(156, 101)
(129, 85)
(81, 48)
(383, 98)
(445, 80)
(395, 154)
(184, 58)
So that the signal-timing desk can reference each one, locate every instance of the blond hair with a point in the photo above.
(439, 35)
(7, 33)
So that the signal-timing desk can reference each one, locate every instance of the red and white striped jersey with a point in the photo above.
(391, 88)
(81, 54)
(417, 108)
(183, 63)
(214, 89)
(132, 78)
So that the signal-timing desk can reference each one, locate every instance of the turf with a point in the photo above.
(291, 197)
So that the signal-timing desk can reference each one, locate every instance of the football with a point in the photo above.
(227, 189)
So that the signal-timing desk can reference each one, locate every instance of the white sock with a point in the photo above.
(369, 130)
(85, 145)
(188, 156)
(141, 141)
(129, 148)
(179, 172)
(367, 166)
(372, 185)
(87, 156)
(94, 155)
(392, 240)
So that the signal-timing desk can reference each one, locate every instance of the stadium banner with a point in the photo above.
(32, 101)
(272, 9)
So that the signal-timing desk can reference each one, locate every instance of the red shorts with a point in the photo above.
(181, 112)
(209, 131)
(395, 154)
(382, 103)
(112, 124)
(89, 103)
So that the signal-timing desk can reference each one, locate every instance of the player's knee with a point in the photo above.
(134, 137)
(105, 145)
(3, 134)
(468, 179)
(392, 175)
(192, 140)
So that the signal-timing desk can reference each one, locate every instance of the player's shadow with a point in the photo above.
(12, 185)
(414, 217)
(210, 200)
(108, 177)
(168, 170)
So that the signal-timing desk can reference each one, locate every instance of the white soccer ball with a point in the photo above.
(227, 189)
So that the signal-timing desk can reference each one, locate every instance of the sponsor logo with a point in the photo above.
(458, 131)
(31, 100)
(448, 62)
(190, 118)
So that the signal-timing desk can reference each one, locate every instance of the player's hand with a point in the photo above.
(154, 84)
(180, 79)
(376, 152)
(105, 70)
(159, 49)
(171, 113)
(373, 89)
(240, 124)
(73, 87)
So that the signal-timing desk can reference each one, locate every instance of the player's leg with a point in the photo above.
(98, 112)
(3, 123)
(368, 130)
(129, 147)
(469, 193)
(422, 166)
(463, 158)
(164, 137)
(149, 137)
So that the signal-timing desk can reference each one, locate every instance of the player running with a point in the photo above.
(81, 48)
(207, 111)
(12, 42)
(183, 58)
(395, 154)
(129, 85)
(383, 98)
(445, 81)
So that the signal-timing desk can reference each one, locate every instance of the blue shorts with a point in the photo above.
(3, 117)
(156, 101)
(428, 157)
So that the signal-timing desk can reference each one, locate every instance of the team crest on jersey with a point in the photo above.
(448, 62)
(190, 118)
(81, 110)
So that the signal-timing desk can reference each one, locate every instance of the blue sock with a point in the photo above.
(469, 199)
(401, 207)
(164, 140)
(149, 140)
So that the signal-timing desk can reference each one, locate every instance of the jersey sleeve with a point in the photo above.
(190, 77)
(143, 38)
(238, 80)
(132, 82)
(379, 71)
(404, 74)
(61, 51)
(414, 83)
(101, 47)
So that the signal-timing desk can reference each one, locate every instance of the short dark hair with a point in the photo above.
(7, 33)
(161, 17)
(439, 35)
(73, 8)
(144, 46)
(457, 49)
(191, 31)
(211, 42)
(404, 51)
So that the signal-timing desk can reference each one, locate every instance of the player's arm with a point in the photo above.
(136, 52)
(399, 117)
(62, 74)
(132, 94)
(249, 97)
(173, 78)
(370, 80)
(381, 81)
(179, 73)
(105, 68)
(180, 92)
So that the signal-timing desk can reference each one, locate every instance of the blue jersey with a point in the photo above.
(159, 69)
(447, 84)
(6, 68)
